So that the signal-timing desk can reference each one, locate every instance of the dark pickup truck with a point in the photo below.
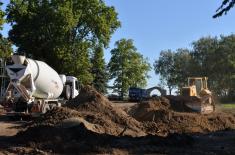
(137, 94)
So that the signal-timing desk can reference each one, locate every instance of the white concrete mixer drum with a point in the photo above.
(46, 80)
(35, 87)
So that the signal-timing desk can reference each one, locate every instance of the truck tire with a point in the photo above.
(67, 93)
(45, 108)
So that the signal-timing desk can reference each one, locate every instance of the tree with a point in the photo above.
(183, 67)
(210, 56)
(225, 68)
(53, 31)
(224, 8)
(204, 56)
(2, 14)
(78, 63)
(164, 66)
(214, 57)
(174, 67)
(99, 70)
(127, 67)
(5, 45)
(5, 48)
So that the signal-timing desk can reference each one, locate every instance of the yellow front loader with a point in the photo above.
(197, 87)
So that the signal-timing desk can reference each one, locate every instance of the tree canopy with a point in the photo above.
(165, 67)
(5, 45)
(62, 33)
(98, 70)
(5, 48)
(210, 56)
(2, 14)
(127, 67)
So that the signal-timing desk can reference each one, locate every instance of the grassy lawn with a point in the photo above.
(229, 106)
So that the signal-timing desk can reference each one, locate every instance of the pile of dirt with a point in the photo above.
(91, 124)
(157, 116)
(160, 117)
(98, 110)
(190, 123)
(56, 116)
(94, 111)
(150, 110)
(79, 139)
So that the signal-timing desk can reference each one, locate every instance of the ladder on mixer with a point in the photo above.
(3, 77)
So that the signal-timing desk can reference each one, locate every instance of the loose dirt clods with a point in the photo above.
(164, 116)
(91, 124)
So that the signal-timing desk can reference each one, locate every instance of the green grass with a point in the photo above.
(229, 106)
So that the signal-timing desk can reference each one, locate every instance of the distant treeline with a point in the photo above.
(213, 57)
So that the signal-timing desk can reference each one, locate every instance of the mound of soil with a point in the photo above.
(150, 110)
(56, 116)
(98, 110)
(160, 117)
(191, 123)
(79, 139)
(96, 113)
(91, 124)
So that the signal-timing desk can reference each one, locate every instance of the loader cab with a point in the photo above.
(199, 83)
(195, 86)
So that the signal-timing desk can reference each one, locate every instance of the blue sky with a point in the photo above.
(155, 25)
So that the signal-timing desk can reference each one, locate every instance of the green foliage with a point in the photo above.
(229, 106)
(99, 70)
(62, 33)
(214, 58)
(226, 66)
(183, 66)
(78, 63)
(173, 67)
(205, 54)
(5, 45)
(5, 48)
(165, 67)
(2, 14)
(127, 67)
(210, 56)
(224, 8)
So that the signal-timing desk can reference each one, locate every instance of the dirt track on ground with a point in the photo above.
(8, 129)
(92, 124)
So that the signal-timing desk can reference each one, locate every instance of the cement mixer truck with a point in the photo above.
(35, 87)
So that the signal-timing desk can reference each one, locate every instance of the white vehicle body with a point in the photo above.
(35, 83)
(74, 85)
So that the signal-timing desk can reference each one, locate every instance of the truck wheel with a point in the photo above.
(45, 108)
(67, 92)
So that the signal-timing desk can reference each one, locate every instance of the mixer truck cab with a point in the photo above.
(35, 87)
(74, 84)
(71, 86)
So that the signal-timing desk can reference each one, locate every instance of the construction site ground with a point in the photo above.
(90, 124)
